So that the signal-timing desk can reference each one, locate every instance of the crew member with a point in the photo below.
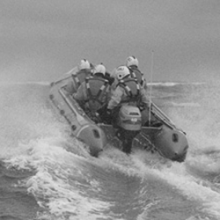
(84, 70)
(128, 90)
(93, 94)
(132, 63)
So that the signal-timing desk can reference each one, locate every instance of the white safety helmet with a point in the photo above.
(100, 68)
(132, 61)
(121, 72)
(84, 64)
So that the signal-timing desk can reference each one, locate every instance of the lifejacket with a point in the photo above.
(80, 77)
(132, 89)
(136, 73)
(96, 92)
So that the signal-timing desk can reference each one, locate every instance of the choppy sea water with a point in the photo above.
(47, 174)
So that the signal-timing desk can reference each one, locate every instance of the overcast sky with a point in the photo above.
(41, 39)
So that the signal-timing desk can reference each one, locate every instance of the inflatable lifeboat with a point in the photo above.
(161, 136)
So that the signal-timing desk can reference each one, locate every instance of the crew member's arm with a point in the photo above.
(115, 98)
(144, 98)
(144, 84)
(81, 95)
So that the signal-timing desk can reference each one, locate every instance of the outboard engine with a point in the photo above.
(129, 124)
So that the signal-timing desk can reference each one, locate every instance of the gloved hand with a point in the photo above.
(142, 107)
(108, 112)
(107, 117)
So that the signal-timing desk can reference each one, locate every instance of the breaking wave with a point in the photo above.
(39, 155)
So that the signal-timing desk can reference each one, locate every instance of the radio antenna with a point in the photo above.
(151, 80)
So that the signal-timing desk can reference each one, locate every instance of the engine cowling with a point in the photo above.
(129, 118)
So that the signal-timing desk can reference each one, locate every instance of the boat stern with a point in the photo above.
(94, 137)
(171, 143)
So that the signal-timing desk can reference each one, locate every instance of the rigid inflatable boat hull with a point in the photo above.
(165, 138)
(82, 127)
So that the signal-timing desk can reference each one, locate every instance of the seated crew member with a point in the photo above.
(132, 64)
(84, 70)
(127, 90)
(93, 94)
